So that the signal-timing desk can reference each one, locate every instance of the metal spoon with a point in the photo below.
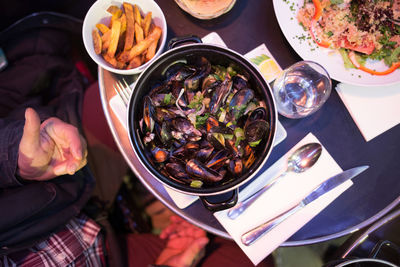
(301, 160)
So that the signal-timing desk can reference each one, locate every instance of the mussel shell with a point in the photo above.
(239, 83)
(203, 68)
(184, 126)
(198, 170)
(204, 153)
(220, 94)
(256, 130)
(186, 151)
(163, 133)
(259, 113)
(236, 166)
(178, 72)
(218, 160)
(178, 171)
(148, 111)
(239, 102)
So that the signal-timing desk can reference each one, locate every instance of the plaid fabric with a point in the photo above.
(77, 244)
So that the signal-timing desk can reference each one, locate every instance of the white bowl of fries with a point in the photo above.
(124, 36)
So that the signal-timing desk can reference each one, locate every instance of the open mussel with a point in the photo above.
(239, 82)
(198, 170)
(185, 129)
(239, 102)
(203, 68)
(256, 127)
(178, 172)
(218, 160)
(178, 71)
(220, 94)
(186, 151)
(148, 111)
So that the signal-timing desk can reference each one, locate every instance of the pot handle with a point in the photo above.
(229, 203)
(176, 41)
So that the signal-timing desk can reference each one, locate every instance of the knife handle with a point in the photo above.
(254, 234)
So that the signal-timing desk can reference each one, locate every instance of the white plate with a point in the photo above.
(286, 12)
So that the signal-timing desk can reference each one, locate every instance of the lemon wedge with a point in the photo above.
(267, 66)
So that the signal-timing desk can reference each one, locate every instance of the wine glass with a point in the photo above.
(301, 89)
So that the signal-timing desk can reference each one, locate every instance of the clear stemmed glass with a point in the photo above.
(301, 89)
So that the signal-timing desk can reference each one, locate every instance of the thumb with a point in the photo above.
(31, 134)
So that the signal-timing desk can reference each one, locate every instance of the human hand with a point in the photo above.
(185, 243)
(49, 149)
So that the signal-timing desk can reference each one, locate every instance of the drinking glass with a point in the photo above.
(301, 89)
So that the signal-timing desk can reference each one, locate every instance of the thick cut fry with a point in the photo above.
(103, 28)
(112, 9)
(115, 16)
(123, 23)
(146, 24)
(140, 47)
(138, 17)
(110, 60)
(121, 65)
(135, 62)
(151, 51)
(96, 41)
(130, 26)
(138, 33)
(106, 38)
(115, 30)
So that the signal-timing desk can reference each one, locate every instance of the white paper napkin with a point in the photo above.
(373, 109)
(282, 196)
(117, 105)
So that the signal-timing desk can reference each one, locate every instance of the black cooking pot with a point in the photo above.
(217, 56)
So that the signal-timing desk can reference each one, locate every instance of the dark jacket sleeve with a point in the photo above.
(10, 137)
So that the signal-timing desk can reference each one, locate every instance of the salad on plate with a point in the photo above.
(358, 29)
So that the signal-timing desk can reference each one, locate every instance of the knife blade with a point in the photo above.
(251, 236)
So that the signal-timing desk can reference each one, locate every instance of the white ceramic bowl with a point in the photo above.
(98, 14)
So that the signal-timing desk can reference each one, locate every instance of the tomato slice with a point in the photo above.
(353, 59)
(367, 47)
(316, 17)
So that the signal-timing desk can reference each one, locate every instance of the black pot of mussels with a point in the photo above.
(202, 120)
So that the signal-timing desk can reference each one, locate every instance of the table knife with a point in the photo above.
(251, 236)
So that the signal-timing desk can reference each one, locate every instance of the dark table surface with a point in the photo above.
(377, 190)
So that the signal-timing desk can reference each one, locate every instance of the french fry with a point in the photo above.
(106, 39)
(110, 60)
(135, 62)
(140, 47)
(146, 24)
(115, 16)
(151, 51)
(112, 9)
(115, 31)
(139, 36)
(123, 23)
(102, 27)
(120, 65)
(138, 17)
(130, 26)
(96, 41)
